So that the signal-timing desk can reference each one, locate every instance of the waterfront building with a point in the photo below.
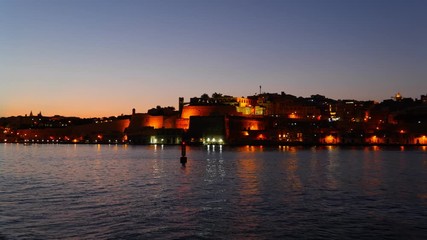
(157, 126)
(265, 118)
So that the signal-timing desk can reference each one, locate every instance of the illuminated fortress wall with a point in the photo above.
(204, 111)
(170, 121)
(144, 120)
(113, 128)
(101, 131)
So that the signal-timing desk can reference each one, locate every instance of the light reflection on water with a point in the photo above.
(128, 192)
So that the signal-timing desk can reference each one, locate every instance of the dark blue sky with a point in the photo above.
(99, 57)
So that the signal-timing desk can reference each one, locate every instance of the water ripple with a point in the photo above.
(141, 192)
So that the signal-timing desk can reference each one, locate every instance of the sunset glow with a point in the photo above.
(103, 58)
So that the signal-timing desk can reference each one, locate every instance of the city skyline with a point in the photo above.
(103, 58)
(175, 107)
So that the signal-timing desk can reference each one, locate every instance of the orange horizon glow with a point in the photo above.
(86, 107)
(51, 113)
(93, 63)
(68, 113)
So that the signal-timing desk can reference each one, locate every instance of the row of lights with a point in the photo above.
(213, 141)
(154, 140)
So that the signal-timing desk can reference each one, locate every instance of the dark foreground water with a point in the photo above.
(141, 192)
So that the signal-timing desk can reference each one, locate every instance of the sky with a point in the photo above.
(94, 58)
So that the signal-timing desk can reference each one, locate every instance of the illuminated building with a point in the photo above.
(158, 126)
(264, 118)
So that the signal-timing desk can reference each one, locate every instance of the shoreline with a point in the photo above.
(232, 145)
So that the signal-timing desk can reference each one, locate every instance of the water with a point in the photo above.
(142, 192)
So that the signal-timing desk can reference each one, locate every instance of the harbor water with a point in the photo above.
(143, 192)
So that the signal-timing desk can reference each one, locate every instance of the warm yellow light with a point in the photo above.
(422, 139)
(330, 139)
(293, 115)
